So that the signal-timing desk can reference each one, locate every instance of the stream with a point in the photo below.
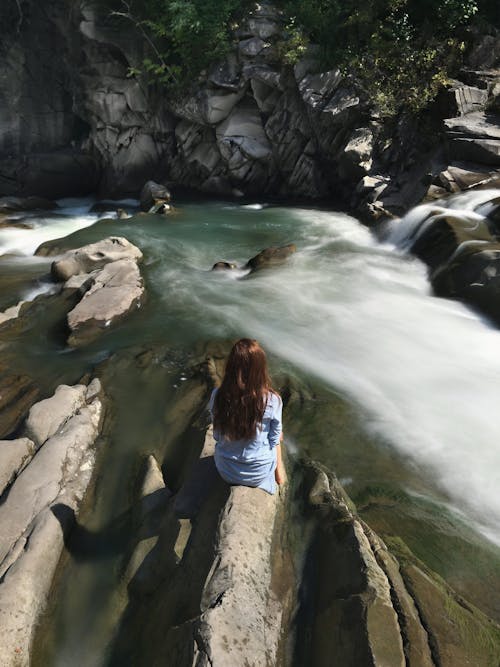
(415, 441)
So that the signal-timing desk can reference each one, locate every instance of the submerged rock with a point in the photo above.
(271, 257)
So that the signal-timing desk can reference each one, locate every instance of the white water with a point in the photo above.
(360, 316)
(73, 214)
(357, 314)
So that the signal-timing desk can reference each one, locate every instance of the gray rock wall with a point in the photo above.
(77, 122)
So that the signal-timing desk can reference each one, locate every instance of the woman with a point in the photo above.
(246, 414)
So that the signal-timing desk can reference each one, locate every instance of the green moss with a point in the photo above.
(473, 634)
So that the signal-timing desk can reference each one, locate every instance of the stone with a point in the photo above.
(47, 417)
(271, 257)
(353, 621)
(94, 256)
(455, 178)
(224, 266)
(459, 633)
(458, 99)
(32, 536)
(152, 193)
(317, 89)
(81, 282)
(241, 572)
(473, 276)
(243, 129)
(356, 159)
(474, 138)
(17, 395)
(13, 456)
(12, 313)
(253, 47)
(147, 513)
(161, 208)
(15, 204)
(117, 290)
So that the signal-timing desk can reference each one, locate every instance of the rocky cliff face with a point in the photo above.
(249, 125)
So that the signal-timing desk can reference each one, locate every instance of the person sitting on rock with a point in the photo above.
(246, 414)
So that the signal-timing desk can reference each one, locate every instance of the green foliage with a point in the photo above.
(403, 51)
(182, 36)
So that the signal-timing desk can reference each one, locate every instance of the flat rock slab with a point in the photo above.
(94, 256)
(31, 536)
(117, 290)
(241, 621)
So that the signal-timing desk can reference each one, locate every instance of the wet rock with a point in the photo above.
(94, 256)
(117, 290)
(13, 312)
(161, 208)
(17, 395)
(13, 456)
(224, 266)
(271, 257)
(31, 537)
(473, 276)
(16, 204)
(152, 193)
(148, 512)
(441, 234)
(354, 621)
(121, 214)
(458, 633)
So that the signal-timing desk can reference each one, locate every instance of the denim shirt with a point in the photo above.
(251, 462)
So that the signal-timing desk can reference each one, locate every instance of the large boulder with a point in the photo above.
(153, 193)
(31, 537)
(369, 603)
(117, 290)
(94, 256)
(473, 276)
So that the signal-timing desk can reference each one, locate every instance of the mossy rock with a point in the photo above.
(459, 633)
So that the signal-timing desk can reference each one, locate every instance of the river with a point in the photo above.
(351, 316)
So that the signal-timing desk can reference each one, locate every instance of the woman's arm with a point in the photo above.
(280, 472)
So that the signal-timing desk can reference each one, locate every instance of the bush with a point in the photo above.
(402, 51)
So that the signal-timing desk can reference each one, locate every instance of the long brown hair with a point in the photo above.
(241, 399)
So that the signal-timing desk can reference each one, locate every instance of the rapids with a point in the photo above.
(346, 311)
